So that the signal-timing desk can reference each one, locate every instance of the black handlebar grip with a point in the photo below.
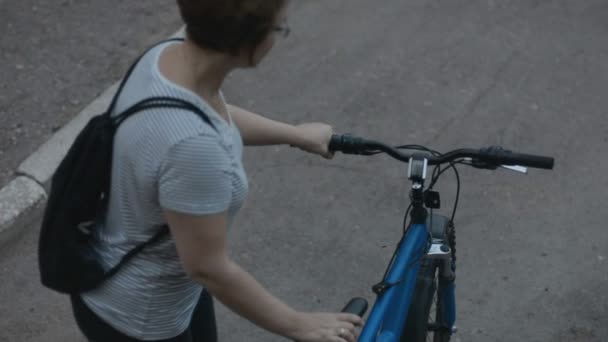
(530, 160)
(335, 143)
(499, 156)
(356, 306)
(347, 144)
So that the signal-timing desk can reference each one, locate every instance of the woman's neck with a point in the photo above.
(203, 71)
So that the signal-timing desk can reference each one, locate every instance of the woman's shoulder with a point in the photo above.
(145, 81)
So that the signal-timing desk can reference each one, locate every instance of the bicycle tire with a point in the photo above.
(421, 314)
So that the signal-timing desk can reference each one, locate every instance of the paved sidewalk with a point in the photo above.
(57, 56)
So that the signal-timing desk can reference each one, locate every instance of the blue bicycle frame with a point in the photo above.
(387, 318)
(389, 314)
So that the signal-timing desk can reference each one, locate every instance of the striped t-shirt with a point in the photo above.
(163, 158)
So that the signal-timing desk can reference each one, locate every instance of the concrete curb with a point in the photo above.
(24, 193)
(41, 165)
(17, 199)
(20, 196)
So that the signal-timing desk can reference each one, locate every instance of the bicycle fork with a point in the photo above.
(446, 297)
(440, 248)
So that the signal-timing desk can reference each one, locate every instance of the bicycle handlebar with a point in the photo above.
(356, 306)
(491, 156)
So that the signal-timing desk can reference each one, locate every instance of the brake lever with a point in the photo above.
(482, 165)
(516, 168)
(370, 152)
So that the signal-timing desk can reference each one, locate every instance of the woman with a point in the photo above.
(170, 167)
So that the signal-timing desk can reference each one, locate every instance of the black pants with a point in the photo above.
(202, 327)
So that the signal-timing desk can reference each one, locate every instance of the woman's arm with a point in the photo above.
(257, 130)
(201, 245)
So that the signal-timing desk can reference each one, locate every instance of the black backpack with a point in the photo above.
(78, 200)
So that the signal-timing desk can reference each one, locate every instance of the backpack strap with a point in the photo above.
(149, 103)
(162, 102)
(132, 67)
(133, 252)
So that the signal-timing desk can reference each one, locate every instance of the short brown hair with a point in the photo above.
(229, 26)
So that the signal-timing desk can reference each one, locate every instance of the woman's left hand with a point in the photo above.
(314, 138)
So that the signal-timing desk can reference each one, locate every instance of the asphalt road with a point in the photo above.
(57, 55)
(528, 75)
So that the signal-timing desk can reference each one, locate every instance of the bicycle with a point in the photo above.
(421, 274)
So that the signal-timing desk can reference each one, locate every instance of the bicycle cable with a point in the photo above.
(437, 172)
(435, 178)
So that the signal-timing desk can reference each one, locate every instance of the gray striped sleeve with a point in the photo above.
(195, 178)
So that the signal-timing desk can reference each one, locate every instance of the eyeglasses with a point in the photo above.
(282, 29)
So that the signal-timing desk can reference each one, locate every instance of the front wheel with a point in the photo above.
(424, 317)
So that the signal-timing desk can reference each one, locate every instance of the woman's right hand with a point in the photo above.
(327, 327)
